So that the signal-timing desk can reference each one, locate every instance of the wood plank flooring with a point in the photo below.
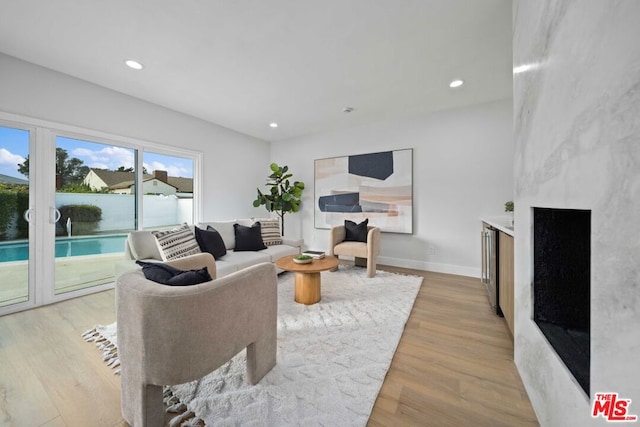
(453, 366)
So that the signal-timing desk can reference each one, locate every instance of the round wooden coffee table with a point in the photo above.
(307, 277)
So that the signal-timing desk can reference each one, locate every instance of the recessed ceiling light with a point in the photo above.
(347, 109)
(456, 83)
(134, 64)
(273, 125)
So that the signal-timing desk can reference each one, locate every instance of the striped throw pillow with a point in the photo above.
(177, 243)
(270, 231)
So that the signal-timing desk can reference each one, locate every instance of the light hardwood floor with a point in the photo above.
(453, 366)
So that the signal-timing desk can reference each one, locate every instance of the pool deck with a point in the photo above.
(71, 273)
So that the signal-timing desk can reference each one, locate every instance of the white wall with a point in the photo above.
(577, 138)
(233, 163)
(462, 170)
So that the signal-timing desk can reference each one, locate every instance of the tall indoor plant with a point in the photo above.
(283, 196)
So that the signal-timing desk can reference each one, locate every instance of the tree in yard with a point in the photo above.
(69, 171)
(130, 169)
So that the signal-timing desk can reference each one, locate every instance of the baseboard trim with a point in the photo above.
(459, 270)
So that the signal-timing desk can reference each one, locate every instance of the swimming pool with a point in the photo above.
(67, 247)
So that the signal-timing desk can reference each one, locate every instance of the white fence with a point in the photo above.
(118, 210)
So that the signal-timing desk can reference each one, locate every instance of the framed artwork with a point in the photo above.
(378, 186)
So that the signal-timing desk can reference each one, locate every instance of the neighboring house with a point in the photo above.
(149, 186)
(6, 179)
(98, 179)
(184, 186)
(124, 183)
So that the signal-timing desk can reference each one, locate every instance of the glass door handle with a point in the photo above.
(27, 214)
(54, 215)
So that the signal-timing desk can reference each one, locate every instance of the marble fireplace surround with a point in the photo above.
(562, 287)
(577, 146)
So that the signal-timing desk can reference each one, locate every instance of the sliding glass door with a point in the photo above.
(167, 190)
(15, 236)
(67, 203)
(61, 232)
(94, 214)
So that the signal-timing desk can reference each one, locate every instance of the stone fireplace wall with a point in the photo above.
(577, 146)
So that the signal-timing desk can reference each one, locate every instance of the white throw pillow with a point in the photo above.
(177, 243)
(225, 228)
(143, 245)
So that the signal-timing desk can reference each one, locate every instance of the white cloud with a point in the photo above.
(172, 170)
(82, 152)
(105, 158)
(10, 159)
(155, 166)
(177, 171)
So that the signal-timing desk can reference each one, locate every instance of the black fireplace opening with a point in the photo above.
(562, 285)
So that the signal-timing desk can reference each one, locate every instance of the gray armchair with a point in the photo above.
(175, 334)
(365, 254)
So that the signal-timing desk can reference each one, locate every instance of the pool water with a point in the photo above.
(67, 247)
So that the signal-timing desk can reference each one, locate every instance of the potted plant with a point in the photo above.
(283, 197)
(508, 208)
(302, 259)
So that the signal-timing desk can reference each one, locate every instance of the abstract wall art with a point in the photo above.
(378, 186)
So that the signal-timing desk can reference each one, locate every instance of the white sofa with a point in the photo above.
(141, 245)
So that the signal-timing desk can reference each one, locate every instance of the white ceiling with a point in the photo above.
(245, 63)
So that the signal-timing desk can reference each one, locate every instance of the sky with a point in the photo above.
(14, 147)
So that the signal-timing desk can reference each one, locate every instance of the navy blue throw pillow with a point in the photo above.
(167, 275)
(248, 238)
(356, 232)
(210, 241)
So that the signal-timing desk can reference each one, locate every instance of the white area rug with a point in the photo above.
(332, 357)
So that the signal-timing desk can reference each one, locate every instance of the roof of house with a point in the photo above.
(112, 178)
(127, 184)
(6, 179)
(183, 185)
(123, 184)
(115, 180)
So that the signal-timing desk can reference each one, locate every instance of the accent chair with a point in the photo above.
(365, 253)
(175, 334)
